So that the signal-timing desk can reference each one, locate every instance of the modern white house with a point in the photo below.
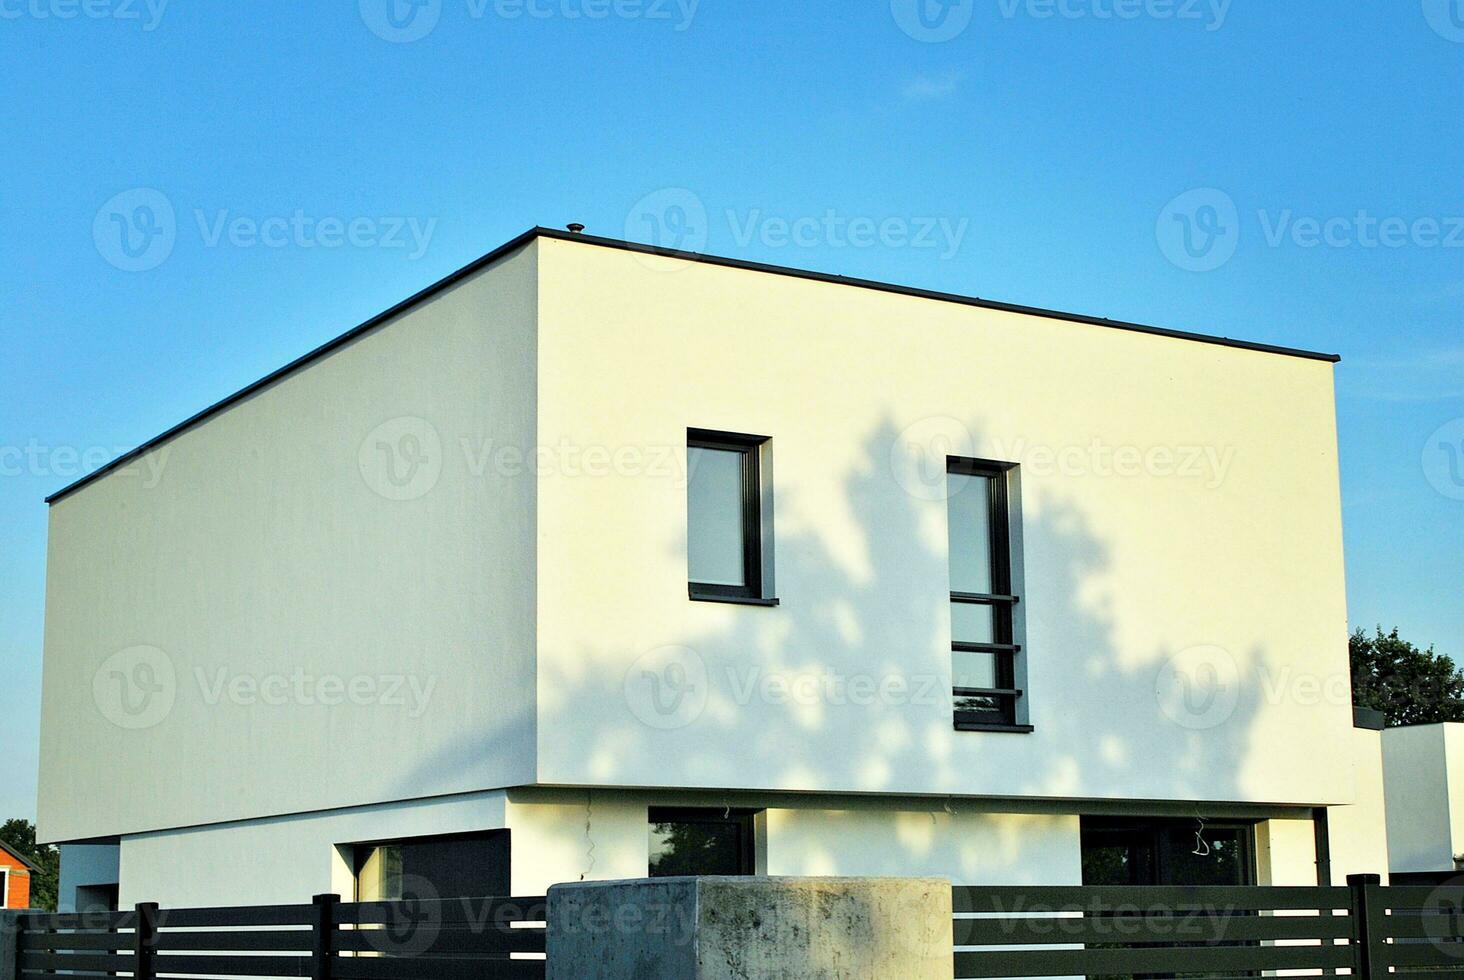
(594, 561)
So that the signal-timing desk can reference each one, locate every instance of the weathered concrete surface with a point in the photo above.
(751, 929)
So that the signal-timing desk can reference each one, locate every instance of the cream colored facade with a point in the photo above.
(429, 581)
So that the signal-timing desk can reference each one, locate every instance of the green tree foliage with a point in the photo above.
(21, 835)
(1408, 685)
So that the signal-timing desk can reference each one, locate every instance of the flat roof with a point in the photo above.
(777, 270)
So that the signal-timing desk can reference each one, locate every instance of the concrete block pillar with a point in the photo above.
(752, 929)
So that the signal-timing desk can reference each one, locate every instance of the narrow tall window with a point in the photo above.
(984, 650)
(724, 553)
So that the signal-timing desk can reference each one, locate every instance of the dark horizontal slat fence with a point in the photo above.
(1116, 932)
(1372, 932)
(485, 939)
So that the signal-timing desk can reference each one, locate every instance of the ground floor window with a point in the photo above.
(702, 842)
(1185, 851)
(96, 898)
(459, 866)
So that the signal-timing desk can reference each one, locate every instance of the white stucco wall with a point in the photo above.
(291, 629)
(857, 389)
(285, 860)
(1359, 832)
(1420, 775)
(561, 835)
(1286, 852)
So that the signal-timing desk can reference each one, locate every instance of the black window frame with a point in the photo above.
(360, 852)
(743, 819)
(1153, 833)
(1002, 600)
(750, 448)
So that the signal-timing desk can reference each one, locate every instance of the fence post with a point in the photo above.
(9, 945)
(1363, 910)
(145, 941)
(322, 929)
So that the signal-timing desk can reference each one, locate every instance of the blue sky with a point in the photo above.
(1281, 172)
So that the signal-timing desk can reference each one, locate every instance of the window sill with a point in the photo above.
(973, 726)
(733, 600)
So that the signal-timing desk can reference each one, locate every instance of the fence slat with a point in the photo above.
(85, 962)
(1441, 955)
(390, 968)
(238, 915)
(1211, 959)
(51, 941)
(243, 966)
(1025, 900)
(1422, 896)
(454, 911)
(279, 940)
(1164, 930)
(455, 942)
